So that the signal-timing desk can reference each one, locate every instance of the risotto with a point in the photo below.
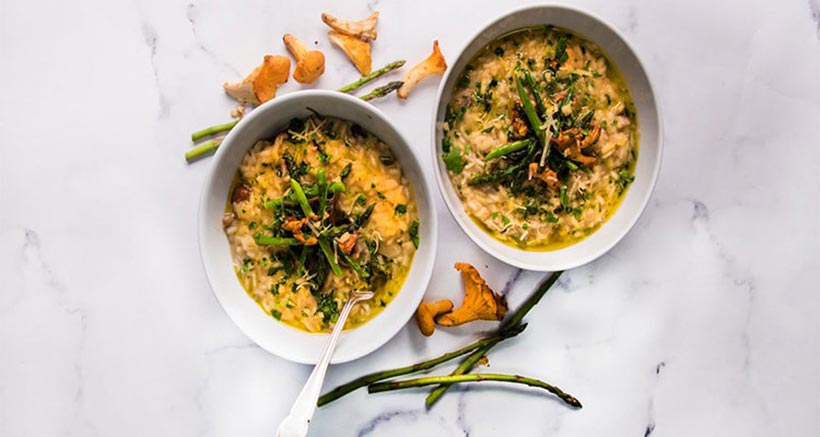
(540, 138)
(317, 212)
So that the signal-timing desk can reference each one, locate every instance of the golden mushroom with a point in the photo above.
(480, 303)
(310, 64)
(434, 64)
(426, 314)
(365, 29)
(260, 85)
(356, 50)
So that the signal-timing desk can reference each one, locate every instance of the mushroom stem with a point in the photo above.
(310, 64)
(427, 312)
(296, 47)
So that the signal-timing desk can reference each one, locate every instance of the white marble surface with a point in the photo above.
(702, 321)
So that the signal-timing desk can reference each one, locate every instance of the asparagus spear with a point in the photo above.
(213, 130)
(496, 176)
(382, 90)
(362, 219)
(202, 150)
(539, 104)
(516, 318)
(321, 181)
(365, 380)
(267, 240)
(375, 74)
(506, 149)
(331, 259)
(455, 379)
(336, 187)
(301, 198)
(354, 265)
(529, 110)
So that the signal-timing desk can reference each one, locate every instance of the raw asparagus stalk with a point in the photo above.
(213, 130)
(365, 380)
(476, 355)
(202, 150)
(479, 377)
(373, 75)
(382, 91)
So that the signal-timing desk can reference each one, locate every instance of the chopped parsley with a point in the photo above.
(414, 233)
(561, 50)
(400, 209)
(624, 179)
(453, 160)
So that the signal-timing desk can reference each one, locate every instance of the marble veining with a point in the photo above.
(814, 7)
(701, 321)
(191, 12)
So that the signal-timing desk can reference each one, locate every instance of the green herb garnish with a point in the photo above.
(453, 160)
(414, 233)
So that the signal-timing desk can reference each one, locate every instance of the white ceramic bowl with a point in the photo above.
(278, 338)
(649, 148)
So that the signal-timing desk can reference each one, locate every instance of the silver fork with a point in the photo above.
(297, 422)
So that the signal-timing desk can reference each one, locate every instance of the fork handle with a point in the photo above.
(297, 422)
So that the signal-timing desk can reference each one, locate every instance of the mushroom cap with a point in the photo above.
(364, 30)
(356, 50)
(480, 302)
(310, 67)
(260, 85)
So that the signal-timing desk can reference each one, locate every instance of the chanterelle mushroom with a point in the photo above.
(365, 29)
(260, 86)
(310, 64)
(571, 141)
(434, 64)
(480, 303)
(356, 50)
(427, 313)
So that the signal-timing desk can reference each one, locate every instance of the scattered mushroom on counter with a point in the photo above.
(261, 84)
(427, 313)
(480, 302)
(356, 50)
(434, 64)
(365, 29)
(310, 64)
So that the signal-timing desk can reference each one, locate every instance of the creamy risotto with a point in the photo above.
(318, 211)
(540, 138)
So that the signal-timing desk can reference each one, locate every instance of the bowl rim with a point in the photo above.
(422, 188)
(471, 229)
